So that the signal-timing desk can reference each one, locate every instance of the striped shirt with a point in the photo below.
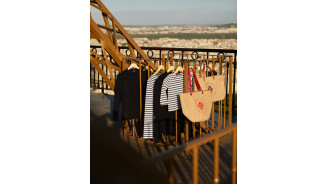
(148, 116)
(173, 84)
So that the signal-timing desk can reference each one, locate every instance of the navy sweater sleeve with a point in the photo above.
(117, 96)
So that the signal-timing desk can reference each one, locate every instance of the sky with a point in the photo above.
(159, 12)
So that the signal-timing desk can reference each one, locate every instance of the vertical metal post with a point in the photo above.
(171, 58)
(176, 63)
(212, 117)
(94, 77)
(227, 64)
(195, 165)
(194, 83)
(220, 66)
(216, 161)
(166, 62)
(230, 90)
(133, 128)
(234, 157)
(140, 90)
(98, 79)
(102, 80)
(220, 114)
(90, 75)
(170, 165)
(106, 75)
(163, 58)
(234, 82)
(148, 68)
(225, 98)
(176, 127)
(186, 65)
(206, 74)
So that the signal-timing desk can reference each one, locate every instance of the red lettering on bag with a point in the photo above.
(200, 105)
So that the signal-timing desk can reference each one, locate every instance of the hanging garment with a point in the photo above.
(127, 94)
(173, 83)
(148, 118)
(163, 120)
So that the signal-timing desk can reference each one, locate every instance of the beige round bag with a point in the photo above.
(215, 83)
(196, 105)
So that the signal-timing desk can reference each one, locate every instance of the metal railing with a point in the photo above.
(96, 81)
(222, 62)
(194, 146)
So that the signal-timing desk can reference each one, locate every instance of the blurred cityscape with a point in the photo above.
(183, 36)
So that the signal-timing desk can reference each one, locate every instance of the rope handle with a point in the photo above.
(210, 71)
(196, 80)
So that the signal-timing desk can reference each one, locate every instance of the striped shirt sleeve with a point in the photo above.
(165, 86)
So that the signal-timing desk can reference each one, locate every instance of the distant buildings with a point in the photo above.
(182, 43)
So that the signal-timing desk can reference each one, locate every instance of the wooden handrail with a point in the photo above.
(190, 145)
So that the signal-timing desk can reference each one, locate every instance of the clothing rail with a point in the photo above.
(221, 104)
(226, 65)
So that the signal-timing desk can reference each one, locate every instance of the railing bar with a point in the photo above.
(102, 80)
(94, 76)
(234, 82)
(212, 117)
(90, 75)
(186, 66)
(98, 79)
(230, 90)
(170, 166)
(140, 91)
(216, 161)
(191, 144)
(195, 165)
(225, 98)
(232, 51)
(234, 157)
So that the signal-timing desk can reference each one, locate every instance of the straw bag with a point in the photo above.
(196, 105)
(215, 83)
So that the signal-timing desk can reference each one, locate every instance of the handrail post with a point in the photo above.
(133, 128)
(234, 157)
(195, 165)
(140, 91)
(170, 165)
(194, 83)
(216, 161)
(186, 65)
(230, 89)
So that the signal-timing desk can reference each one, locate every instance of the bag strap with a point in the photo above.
(196, 80)
(210, 71)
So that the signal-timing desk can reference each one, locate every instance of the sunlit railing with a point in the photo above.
(194, 146)
(156, 53)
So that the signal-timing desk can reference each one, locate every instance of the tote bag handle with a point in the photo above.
(210, 71)
(196, 80)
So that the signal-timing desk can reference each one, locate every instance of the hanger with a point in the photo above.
(178, 69)
(133, 65)
(161, 67)
(171, 68)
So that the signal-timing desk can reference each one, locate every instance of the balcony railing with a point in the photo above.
(211, 55)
